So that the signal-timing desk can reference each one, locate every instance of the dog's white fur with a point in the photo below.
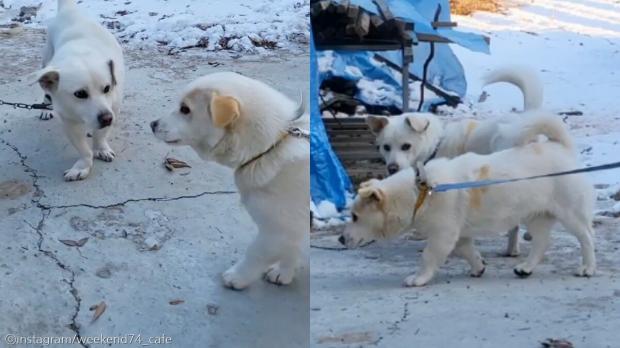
(450, 220)
(273, 188)
(405, 139)
(77, 57)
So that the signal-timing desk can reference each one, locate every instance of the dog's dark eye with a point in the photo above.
(405, 147)
(354, 217)
(387, 147)
(185, 110)
(106, 89)
(81, 94)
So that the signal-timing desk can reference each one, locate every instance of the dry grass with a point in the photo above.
(467, 7)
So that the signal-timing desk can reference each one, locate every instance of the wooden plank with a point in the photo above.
(432, 38)
(360, 155)
(345, 120)
(363, 24)
(440, 24)
(343, 7)
(384, 9)
(351, 132)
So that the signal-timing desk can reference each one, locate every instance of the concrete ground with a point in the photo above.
(358, 300)
(154, 237)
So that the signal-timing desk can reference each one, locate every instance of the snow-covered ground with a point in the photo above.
(575, 46)
(244, 26)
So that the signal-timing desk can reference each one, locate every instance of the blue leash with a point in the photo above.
(483, 183)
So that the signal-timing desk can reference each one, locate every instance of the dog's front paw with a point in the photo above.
(415, 280)
(234, 280)
(46, 115)
(106, 155)
(585, 271)
(522, 271)
(75, 174)
(279, 276)
(477, 273)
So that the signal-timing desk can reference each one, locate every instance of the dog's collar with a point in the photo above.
(424, 191)
(434, 154)
(260, 155)
(292, 132)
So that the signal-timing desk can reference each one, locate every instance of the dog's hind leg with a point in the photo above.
(513, 243)
(77, 135)
(440, 244)
(584, 233)
(102, 149)
(465, 249)
(540, 229)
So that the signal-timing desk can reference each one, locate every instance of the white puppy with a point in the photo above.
(405, 139)
(450, 220)
(246, 125)
(82, 76)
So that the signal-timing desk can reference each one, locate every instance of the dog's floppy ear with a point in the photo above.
(368, 183)
(376, 123)
(48, 78)
(224, 110)
(418, 124)
(372, 193)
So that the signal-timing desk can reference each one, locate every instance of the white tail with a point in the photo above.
(65, 4)
(525, 78)
(550, 126)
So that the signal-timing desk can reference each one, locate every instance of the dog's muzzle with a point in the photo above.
(392, 168)
(105, 119)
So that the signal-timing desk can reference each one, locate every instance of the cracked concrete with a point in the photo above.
(358, 299)
(153, 236)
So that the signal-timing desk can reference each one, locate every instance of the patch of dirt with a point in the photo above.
(148, 235)
(13, 189)
(467, 7)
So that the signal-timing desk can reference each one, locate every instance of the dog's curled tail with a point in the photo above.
(550, 126)
(525, 78)
(65, 4)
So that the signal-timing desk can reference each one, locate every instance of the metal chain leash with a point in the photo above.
(27, 106)
(298, 133)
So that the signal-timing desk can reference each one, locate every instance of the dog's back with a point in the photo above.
(499, 207)
(70, 25)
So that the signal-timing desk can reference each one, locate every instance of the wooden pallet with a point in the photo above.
(355, 145)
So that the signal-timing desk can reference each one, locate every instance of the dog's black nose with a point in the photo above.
(105, 119)
(154, 125)
(392, 168)
(341, 239)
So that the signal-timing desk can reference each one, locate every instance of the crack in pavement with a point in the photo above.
(403, 318)
(39, 193)
(74, 326)
(36, 198)
(137, 200)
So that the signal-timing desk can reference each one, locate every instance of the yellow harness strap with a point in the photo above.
(424, 191)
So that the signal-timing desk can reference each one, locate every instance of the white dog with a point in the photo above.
(82, 76)
(451, 219)
(246, 125)
(405, 139)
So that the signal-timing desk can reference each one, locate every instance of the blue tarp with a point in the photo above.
(444, 71)
(329, 181)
